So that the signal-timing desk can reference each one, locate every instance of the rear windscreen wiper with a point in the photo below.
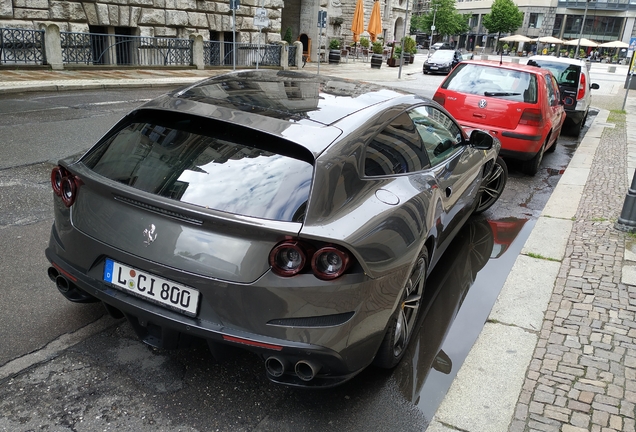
(500, 94)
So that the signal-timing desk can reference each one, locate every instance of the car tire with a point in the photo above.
(403, 321)
(492, 186)
(531, 167)
(553, 147)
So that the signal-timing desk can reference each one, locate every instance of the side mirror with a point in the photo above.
(594, 86)
(443, 363)
(481, 140)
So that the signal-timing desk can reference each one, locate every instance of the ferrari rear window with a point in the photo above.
(208, 164)
(510, 84)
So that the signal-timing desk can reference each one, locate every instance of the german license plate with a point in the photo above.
(434, 67)
(150, 287)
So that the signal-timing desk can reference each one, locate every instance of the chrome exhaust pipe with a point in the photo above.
(52, 273)
(306, 370)
(276, 366)
(62, 284)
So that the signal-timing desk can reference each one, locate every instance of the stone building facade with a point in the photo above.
(209, 18)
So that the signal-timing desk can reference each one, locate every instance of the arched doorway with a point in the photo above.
(398, 31)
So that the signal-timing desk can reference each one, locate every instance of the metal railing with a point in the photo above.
(217, 53)
(125, 50)
(27, 47)
(18, 46)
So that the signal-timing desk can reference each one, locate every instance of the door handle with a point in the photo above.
(449, 192)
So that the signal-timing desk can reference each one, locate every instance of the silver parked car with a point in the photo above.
(290, 214)
(575, 86)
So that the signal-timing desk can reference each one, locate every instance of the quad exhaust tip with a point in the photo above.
(62, 284)
(276, 366)
(306, 370)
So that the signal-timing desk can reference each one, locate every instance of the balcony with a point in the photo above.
(621, 5)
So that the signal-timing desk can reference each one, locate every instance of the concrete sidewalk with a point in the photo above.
(558, 352)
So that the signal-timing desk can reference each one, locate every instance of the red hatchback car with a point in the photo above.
(518, 104)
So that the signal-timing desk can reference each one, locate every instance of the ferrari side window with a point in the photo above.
(441, 136)
(397, 149)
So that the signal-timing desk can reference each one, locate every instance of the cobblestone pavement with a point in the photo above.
(583, 373)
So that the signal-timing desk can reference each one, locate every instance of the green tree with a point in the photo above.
(447, 20)
(504, 17)
(288, 35)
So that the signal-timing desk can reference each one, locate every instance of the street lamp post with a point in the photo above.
(430, 43)
(578, 44)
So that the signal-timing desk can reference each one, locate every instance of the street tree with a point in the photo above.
(447, 20)
(504, 17)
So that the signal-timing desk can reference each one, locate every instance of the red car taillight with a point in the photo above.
(57, 175)
(330, 262)
(64, 185)
(439, 98)
(582, 87)
(290, 257)
(531, 117)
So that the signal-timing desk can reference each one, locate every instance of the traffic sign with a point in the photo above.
(322, 19)
(234, 4)
(260, 18)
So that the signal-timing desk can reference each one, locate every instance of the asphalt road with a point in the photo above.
(103, 378)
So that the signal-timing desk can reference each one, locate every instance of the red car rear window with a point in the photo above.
(486, 80)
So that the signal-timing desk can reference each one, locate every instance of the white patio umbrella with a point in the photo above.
(614, 44)
(548, 40)
(516, 38)
(513, 38)
(582, 42)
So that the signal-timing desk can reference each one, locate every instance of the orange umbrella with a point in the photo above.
(375, 22)
(357, 26)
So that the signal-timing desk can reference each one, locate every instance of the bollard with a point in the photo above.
(627, 220)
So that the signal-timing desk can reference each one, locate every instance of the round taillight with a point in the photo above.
(57, 175)
(288, 258)
(330, 262)
(68, 190)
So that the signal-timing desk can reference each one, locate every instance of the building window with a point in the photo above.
(558, 23)
(536, 20)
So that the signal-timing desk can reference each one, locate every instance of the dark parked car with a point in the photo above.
(575, 86)
(290, 214)
(441, 46)
(442, 61)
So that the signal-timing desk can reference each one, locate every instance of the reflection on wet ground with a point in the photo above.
(460, 293)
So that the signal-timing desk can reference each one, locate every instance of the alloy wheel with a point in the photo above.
(492, 186)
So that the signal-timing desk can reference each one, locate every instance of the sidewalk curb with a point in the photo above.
(30, 86)
(497, 364)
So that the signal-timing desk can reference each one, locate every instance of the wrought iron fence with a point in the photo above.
(292, 56)
(125, 50)
(221, 54)
(22, 46)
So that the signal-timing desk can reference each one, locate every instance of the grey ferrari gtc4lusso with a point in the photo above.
(290, 214)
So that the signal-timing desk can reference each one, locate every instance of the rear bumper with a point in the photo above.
(340, 346)
(440, 70)
(574, 116)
